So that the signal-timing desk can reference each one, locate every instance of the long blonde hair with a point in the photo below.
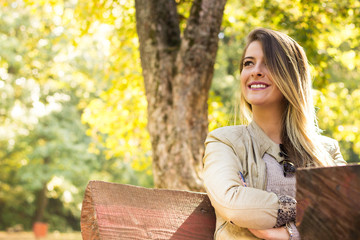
(289, 70)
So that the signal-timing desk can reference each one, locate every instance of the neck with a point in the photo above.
(270, 121)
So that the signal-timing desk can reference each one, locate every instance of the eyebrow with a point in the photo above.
(250, 57)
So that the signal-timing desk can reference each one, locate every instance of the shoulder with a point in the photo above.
(331, 145)
(229, 134)
(235, 137)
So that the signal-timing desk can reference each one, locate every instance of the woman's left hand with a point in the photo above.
(271, 234)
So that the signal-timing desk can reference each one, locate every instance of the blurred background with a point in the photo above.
(73, 105)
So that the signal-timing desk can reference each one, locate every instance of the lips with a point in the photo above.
(257, 85)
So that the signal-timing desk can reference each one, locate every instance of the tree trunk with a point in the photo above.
(41, 202)
(41, 199)
(178, 70)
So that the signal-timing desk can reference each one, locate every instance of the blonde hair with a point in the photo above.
(289, 69)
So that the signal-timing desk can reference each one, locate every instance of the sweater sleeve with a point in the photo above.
(243, 206)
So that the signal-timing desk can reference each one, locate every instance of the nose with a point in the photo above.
(258, 71)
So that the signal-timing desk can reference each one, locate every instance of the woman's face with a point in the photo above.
(257, 87)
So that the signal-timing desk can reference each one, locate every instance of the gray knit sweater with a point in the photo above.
(280, 185)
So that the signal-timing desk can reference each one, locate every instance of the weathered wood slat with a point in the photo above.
(329, 203)
(117, 211)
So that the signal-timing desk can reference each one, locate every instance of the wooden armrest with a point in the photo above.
(118, 211)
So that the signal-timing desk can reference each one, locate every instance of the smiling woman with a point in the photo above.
(249, 169)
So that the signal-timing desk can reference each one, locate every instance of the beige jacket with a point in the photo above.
(241, 148)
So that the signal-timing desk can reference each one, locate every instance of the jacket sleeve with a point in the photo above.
(243, 206)
(336, 154)
(332, 146)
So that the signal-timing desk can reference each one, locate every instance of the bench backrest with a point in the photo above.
(118, 211)
(328, 202)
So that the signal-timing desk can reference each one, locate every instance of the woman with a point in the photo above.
(249, 169)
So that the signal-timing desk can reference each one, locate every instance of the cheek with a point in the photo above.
(243, 77)
(242, 84)
(279, 94)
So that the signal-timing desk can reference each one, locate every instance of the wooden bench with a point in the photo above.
(118, 211)
(328, 208)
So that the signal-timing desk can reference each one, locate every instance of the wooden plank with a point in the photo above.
(88, 221)
(117, 211)
(329, 202)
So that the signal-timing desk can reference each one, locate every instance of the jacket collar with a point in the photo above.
(266, 145)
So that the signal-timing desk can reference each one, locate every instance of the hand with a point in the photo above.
(271, 234)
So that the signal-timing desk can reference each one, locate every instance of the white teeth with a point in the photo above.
(258, 86)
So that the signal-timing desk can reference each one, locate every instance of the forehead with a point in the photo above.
(254, 49)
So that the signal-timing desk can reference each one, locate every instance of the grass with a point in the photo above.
(30, 236)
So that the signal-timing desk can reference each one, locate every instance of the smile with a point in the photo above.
(257, 86)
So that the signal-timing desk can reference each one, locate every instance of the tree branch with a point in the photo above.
(200, 40)
(157, 24)
(204, 23)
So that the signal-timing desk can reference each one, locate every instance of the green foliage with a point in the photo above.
(339, 116)
(118, 117)
(50, 71)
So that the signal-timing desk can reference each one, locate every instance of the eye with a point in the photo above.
(248, 63)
